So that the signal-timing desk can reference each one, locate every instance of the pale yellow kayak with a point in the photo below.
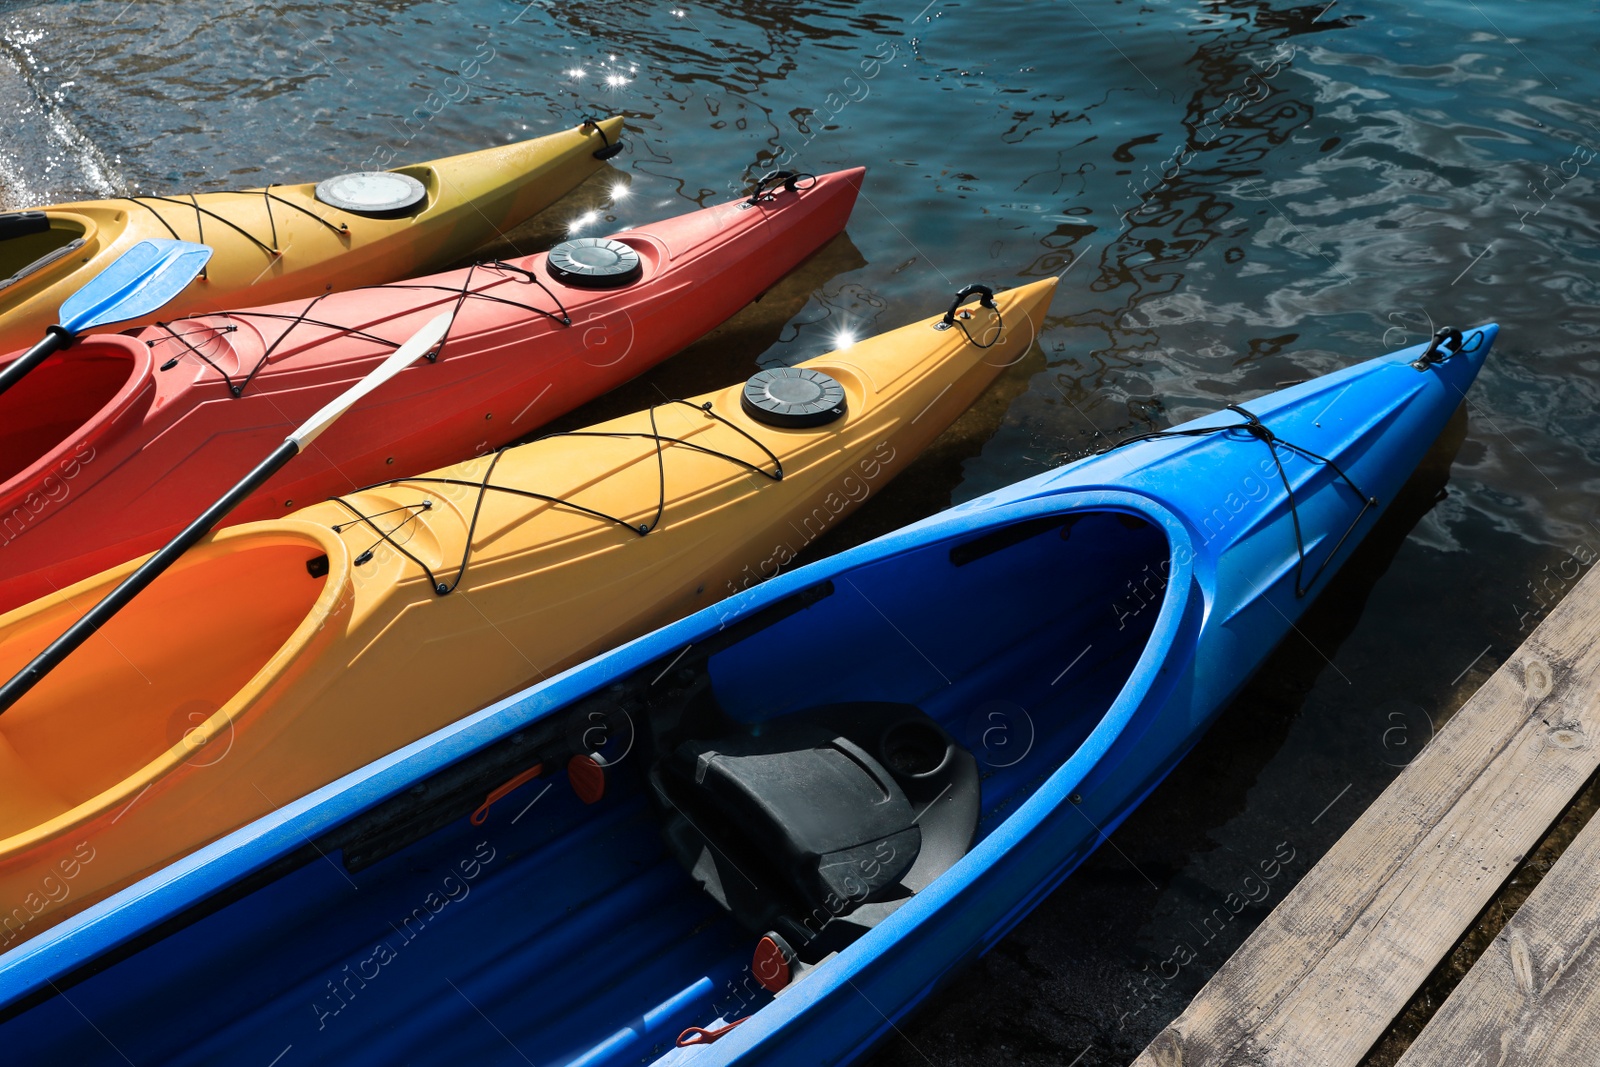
(279, 655)
(282, 242)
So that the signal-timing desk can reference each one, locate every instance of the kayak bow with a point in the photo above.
(283, 242)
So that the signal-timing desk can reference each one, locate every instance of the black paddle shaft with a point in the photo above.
(57, 339)
(148, 571)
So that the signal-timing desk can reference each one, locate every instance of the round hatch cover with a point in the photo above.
(594, 263)
(372, 192)
(793, 397)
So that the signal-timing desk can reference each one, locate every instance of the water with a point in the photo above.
(1237, 192)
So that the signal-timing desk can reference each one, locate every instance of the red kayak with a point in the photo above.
(108, 449)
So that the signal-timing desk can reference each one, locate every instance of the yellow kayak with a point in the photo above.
(283, 242)
(278, 655)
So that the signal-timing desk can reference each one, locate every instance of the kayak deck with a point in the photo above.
(282, 242)
(570, 928)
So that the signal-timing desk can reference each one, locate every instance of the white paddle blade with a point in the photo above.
(421, 343)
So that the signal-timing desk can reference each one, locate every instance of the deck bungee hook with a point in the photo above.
(182, 339)
(985, 297)
(504, 268)
(503, 790)
(341, 230)
(1254, 427)
(700, 1035)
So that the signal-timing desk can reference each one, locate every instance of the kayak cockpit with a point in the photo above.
(581, 928)
(55, 410)
(30, 241)
(64, 744)
(968, 695)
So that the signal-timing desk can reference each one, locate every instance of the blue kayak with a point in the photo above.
(766, 832)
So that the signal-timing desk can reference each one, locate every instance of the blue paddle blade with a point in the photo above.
(138, 282)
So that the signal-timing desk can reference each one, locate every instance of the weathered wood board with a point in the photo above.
(1320, 980)
(1533, 997)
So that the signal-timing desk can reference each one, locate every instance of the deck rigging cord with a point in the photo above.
(790, 180)
(509, 272)
(200, 215)
(1254, 427)
(147, 201)
(484, 486)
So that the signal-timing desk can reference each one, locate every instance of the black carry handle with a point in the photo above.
(790, 179)
(985, 299)
(1447, 336)
(607, 150)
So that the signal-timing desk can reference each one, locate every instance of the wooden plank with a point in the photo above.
(1320, 980)
(1533, 997)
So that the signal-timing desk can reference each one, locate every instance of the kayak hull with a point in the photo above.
(316, 643)
(291, 245)
(1232, 598)
(171, 417)
(489, 920)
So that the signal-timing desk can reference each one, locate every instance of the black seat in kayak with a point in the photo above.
(816, 826)
(23, 224)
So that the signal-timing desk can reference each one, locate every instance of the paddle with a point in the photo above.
(139, 281)
(422, 342)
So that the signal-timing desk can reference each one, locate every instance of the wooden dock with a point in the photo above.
(1321, 979)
